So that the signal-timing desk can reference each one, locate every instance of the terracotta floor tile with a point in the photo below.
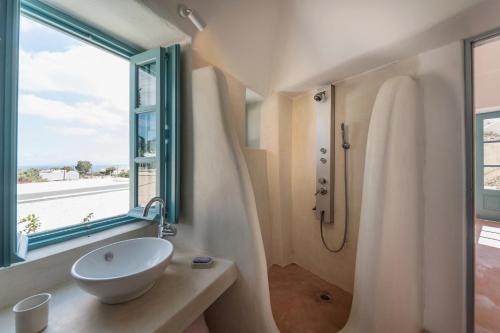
(297, 307)
(487, 277)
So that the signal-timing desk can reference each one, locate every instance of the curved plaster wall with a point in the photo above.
(219, 211)
(390, 234)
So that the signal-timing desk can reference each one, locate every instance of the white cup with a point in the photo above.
(32, 313)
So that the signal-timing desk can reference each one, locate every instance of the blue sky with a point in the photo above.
(73, 100)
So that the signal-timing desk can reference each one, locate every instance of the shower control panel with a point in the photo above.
(324, 101)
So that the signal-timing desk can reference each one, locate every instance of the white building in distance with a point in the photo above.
(57, 175)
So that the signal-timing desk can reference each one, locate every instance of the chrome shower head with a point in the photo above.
(320, 97)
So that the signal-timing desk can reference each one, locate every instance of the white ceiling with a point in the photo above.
(293, 45)
(128, 20)
(239, 36)
(321, 35)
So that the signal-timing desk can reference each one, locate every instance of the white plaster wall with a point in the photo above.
(256, 159)
(219, 215)
(276, 139)
(257, 166)
(439, 74)
(442, 86)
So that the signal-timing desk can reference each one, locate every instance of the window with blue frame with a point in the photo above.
(90, 126)
(73, 131)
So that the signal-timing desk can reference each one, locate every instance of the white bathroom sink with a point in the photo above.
(122, 271)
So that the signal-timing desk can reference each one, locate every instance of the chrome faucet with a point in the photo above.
(164, 229)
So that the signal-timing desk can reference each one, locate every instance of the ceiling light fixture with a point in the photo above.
(189, 13)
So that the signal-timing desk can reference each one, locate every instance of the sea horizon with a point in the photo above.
(95, 167)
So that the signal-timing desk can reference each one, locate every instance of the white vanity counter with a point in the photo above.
(179, 296)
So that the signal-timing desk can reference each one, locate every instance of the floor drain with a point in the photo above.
(325, 296)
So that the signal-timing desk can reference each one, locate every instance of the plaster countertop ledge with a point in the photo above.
(179, 296)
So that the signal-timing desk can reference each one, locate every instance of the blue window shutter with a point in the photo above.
(166, 62)
(174, 133)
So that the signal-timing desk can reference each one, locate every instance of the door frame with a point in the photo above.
(469, 45)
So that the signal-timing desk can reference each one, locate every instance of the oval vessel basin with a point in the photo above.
(124, 270)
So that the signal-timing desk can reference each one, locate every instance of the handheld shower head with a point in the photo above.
(345, 144)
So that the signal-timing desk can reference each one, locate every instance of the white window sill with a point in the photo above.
(46, 267)
(89, 240)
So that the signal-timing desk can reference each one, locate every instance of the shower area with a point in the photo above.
(311, 150)
(307, 294)
(311, 155)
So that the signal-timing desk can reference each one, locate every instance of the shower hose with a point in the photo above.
(346, 205)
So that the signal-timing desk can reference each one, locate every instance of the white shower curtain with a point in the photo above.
(388, 279)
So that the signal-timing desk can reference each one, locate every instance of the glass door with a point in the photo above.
(488, 166)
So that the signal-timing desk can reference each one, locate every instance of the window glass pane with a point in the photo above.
(253, 118)
(73, 142)
(146, 85)
(492, 178)
(146, 182)
(492, 153)
(491, 129)
(146, 134)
